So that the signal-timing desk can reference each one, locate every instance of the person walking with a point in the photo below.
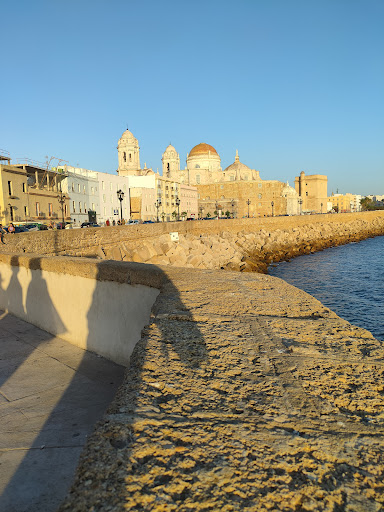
(2, 233)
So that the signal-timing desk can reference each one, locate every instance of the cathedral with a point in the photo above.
(237, 190)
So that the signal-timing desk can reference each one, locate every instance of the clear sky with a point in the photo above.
(294, 85)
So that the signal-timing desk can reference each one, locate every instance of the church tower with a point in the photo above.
(129, 155)
(171, 162)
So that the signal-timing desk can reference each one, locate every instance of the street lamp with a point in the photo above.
(201, 209)
(178, 208)
(300, 200)
(120, 197)
(62, 198)
(10, 211)
(272, 204)
(248, 203)
(157, 206)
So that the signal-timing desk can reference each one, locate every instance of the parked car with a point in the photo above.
(21, 229)
(148, 222)
(89, 225)
(133, 221)
(36, 226)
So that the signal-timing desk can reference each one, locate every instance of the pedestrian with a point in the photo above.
(113, 222)
(11, 228)
(2, 233)
(107, 223)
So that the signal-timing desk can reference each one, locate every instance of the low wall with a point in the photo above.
(98, 306)
(87, 242)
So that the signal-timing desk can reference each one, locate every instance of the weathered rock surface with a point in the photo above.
(244, 393)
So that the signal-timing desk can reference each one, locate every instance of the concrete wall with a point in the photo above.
(101, 307)
(85, 242)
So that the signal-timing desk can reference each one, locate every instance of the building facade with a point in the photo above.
(82, 188)
(312, 191)
(29, 193)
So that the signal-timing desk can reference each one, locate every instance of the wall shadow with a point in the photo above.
(44, 473)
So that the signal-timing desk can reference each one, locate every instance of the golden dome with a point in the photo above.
(202, 149)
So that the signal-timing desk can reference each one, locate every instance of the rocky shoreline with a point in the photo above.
(242, 251)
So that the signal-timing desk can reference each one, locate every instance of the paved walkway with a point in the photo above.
(51, 396)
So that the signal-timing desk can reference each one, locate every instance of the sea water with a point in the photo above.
(348, 279)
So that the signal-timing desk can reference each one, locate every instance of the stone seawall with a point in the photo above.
(238, 244)
(244, 393)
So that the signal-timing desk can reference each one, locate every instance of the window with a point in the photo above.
(37, 209)
(259, 196)
(24, 187)
(197, 166)
(80, 206)
(78, 187)
(231, 177)
(110, 186)
(91, 190)
(103, 198)
(85, 207)
(105, 211)
(93, 206)
(65, 210)
(10, 188)
(125, 156)
(130, 157)
(73, 206)
(103, 185)
(83, 189)
(25, 211)
(50, 209)
(197, 178)
(73, 187)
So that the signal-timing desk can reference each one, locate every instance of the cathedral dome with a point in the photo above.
(288, 191)
(237, 166)
(128, 135)
(203, 149)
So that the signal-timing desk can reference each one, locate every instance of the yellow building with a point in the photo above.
(345, 202)
(29, 193)
(312, 191)
(257, 198)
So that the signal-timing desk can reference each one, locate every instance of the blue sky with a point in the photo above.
(292, 84)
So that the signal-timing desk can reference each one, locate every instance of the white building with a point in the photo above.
(109, 184)
(82, 187)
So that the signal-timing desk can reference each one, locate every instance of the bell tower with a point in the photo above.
(171, 162)
(128, 154)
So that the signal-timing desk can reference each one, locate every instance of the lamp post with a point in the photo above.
(201, 209)
(10, 211)
(62, 198)
(300, 200)
(157, 206)
(233, 208)
(248, 203)
(178, 208)
(321, 205)
(272, 204)
(216, 209)
(120, 197)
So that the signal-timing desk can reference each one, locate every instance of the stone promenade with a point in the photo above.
(246, 394)
(51, 395)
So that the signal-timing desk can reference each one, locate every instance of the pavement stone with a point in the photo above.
(51, 396)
